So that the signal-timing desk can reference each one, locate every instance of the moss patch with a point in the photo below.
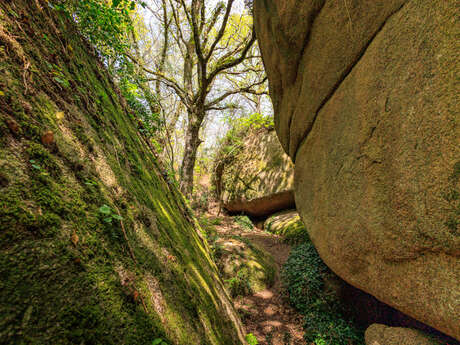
(245, 268)
(288, 225)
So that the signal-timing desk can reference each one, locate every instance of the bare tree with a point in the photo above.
(217, 60)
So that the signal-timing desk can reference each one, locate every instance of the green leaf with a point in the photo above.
(35, 166)
(61, 81)
(116, 216)
(108, 220)
(157, 341)
(104, 209)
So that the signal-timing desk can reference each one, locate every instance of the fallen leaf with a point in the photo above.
(47, 138)
(74, 238)
(13, 126)
(60, 115)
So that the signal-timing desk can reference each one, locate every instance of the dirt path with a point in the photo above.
(267, 313)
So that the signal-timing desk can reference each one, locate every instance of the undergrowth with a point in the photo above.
(244, 222)
(303, 275)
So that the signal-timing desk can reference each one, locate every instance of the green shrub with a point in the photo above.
(251, 339)
(303, 275)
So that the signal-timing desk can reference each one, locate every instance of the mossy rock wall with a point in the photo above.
(68, 146)
(258, 168)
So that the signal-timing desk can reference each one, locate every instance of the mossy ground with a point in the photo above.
(245, 268)
(68, 277)
(249, 260)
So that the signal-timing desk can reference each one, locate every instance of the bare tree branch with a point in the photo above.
(236, 61)
(159, 76)
(246, 89)
(221, 30)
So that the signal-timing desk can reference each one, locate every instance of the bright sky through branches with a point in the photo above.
(216, 124)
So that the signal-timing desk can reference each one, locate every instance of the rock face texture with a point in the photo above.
(378, 334)
(366, 103)
(255, 176)
(95, 246)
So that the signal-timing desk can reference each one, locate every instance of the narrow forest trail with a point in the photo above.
(266, 314)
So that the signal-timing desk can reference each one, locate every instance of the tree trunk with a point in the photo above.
(192, 142)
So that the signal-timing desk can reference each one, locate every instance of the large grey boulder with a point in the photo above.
(366, 103)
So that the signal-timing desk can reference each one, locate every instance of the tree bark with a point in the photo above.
(192, 142)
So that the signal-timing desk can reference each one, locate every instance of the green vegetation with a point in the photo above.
(251, 339)
(244, 222)
(109, 214)
(109, 28)
(239, 285)
(304, 274)
(288, 225)
(106, 25)
(244, 267)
